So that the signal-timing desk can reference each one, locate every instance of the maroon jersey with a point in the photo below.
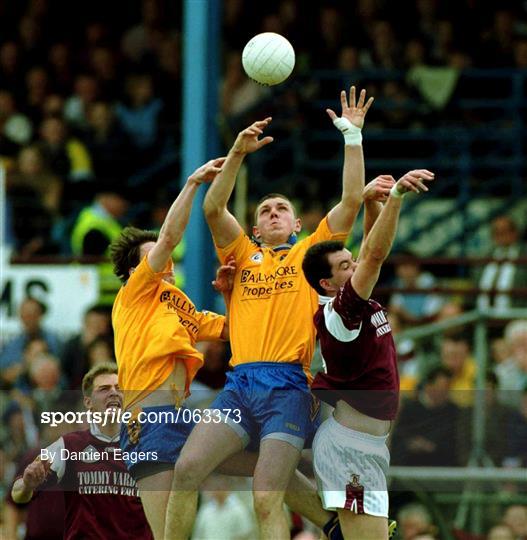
(45, 511)
(359, 355)
(100, 495)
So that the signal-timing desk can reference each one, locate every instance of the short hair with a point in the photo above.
(316, 263)
(415, 509)
(272, 196)
(125, 251)
(434, 373)
(100, 369)
(515, 328)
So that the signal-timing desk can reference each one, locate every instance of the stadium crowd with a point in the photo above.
(90, 121)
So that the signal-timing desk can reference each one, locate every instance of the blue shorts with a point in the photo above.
(273, 400)
(154, 443)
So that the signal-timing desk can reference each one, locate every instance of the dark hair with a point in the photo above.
(272, 196)
(458, 335)
(125, 251)
(434, 373)
(316, 263)
(491, 378)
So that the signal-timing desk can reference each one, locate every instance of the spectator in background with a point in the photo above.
(239, 94)
(31, 313)
(419, 308)
(413, 520)
(37, 88)
(108, 144)
(32, 172)
(515, 517)
(516, 453)
(17, 126)
(96, 323)
(456, 357)
(223, 515)
(21, 432)
(512, 373)
(497, 417)
(500, 532)
(142, 118)
(69, 159)
(11, 73)
(98, 224)
(100, 351)
(426, 428)
(86, 91)
(33, 190)
(60, 67)
(503, 275)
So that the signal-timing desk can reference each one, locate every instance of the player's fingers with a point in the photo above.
(265, 141)
(368, 104)
(352, 96)
(362, 99)
(219, 161)
(422, 187)
(424, 173)
(331, 114)
(343, 100)
(408, 184)
(263, 123)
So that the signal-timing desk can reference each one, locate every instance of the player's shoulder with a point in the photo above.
(81, 436)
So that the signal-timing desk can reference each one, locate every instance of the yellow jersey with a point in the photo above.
(272, 305)
(155, 324)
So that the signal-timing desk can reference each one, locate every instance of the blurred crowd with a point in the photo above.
(94, 106)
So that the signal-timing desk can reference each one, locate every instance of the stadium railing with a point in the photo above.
(480, 472)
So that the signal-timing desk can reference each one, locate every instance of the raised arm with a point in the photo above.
(222, 223)
(342, 216)
(378, 243)
(374, 195)
(177, 217)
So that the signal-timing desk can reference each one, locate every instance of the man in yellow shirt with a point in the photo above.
(156, 327)
(271, 332)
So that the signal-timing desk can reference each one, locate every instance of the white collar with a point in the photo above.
(96, 432)
(323, 300)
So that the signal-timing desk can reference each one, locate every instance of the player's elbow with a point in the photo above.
(211, 209)
(374, 255)
(168, 240)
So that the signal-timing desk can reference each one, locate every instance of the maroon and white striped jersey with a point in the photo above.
(100, 496)
(359, 355)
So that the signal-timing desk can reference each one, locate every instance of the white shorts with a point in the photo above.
(350, 469)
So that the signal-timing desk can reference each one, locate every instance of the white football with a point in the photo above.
(268, 58)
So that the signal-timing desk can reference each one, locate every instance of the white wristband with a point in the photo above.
(352, 134)
(394, 192)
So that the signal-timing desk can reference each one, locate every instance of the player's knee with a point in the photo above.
(266, 503)
(186, 474)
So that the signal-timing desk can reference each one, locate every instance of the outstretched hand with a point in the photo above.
(206, 173)
(36, 472)
(413, 181)
(378, 189)
(354, 112)
(247, 141)
(224, 281)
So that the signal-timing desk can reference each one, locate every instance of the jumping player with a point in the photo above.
(98, 490)
(361, 380)
(156, 327)
(272, 335)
